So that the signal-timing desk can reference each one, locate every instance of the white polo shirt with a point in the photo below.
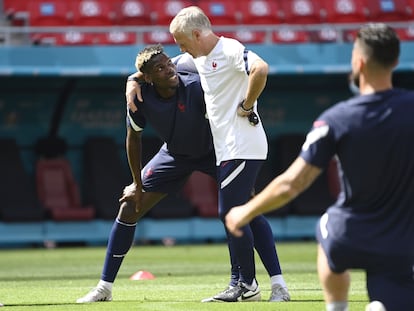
(224, 81)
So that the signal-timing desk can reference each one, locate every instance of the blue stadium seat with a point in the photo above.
(221, 12)
(49, 13)
(389, 10)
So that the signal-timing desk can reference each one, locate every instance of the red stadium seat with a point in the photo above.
(406, 33)
(159, 36)
(221, 12)
(326, 34)
(301, 12)
(344, 11)
(58, 191)
(12, 6)
(49, 13)
(288, 35)
(74, 38)
(17, 11)
(134, 12)
(255, 12)
(201, 191)
(117, 37)
(166, 10)
(93, 13)
(246, 36)
(389, 10)
(349, 35)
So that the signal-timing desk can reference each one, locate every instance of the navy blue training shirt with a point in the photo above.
(373, 138)
(179, 121)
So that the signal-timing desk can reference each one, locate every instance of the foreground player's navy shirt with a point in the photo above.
(373, 138)
(179, 121)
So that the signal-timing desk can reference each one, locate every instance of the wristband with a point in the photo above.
(244, 109)
(132, 78)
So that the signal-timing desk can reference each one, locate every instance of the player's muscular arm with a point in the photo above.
(133, 90)
(257, 82)
(284, 188)
(133, 150)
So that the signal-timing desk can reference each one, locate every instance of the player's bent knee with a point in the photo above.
(127, 212)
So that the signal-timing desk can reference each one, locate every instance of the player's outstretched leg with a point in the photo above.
(120, 241)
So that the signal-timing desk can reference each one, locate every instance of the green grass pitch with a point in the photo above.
(52, 279)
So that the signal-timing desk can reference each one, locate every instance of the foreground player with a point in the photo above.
(370, 227)
(174, 106)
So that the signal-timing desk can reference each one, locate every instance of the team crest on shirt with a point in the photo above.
(214, 65)
(181, 107)
(149, 172)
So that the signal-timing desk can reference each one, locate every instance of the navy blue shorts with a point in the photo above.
(390, 277)
(167, 173)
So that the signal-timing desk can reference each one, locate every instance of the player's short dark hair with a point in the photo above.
(144, 56)
(379, 43)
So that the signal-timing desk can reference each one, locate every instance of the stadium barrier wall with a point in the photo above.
(96, 232)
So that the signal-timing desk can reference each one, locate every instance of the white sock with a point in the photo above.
(252, 286)
(337, 306)
(277, 279)
(105, 284)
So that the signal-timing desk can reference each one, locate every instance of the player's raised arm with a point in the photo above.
(284, 188)
(133, 89)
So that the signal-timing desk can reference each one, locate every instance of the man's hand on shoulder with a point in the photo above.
(132, 91)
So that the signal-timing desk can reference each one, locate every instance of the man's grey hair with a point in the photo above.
(189, 19)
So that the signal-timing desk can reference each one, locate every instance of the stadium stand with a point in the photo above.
(68, 38)
(104, 175)
(406, 33)
(49, 13)
(158, 36)
(134, 13)
(246, 36)
(19, 201)
(221, 12)
(201, 191)
(301, 12)
(59, 192)
(326, 34)
(389, 10)
(165, 10)
(93, 13)
(259, 12)
(344, 11)
(288, 21)
(173, 206)
(318, 196)
(117, 37)
(16, 11)
(289, 35)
